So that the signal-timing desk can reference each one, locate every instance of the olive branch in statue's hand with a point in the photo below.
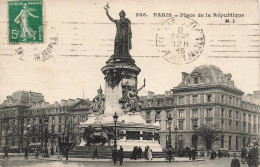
(106, 7)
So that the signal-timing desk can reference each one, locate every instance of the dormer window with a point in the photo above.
(196, 80)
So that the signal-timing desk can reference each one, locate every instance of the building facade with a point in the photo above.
(209, 97)
(25, 117)
(206, 96)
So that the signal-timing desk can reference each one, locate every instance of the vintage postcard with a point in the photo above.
(147, 83)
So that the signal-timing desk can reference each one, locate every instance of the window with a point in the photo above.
(209, 98)
(59, 120)
(59, 128)
(254, 128)
(237, 115)
(222, 141)
(180, 125)
(148, 115)
(157, 116)
(222, 112)
(53, 120)
(230, 100)
(244, 117)
(244, 127)
(236, 142)
(195, 99)
(229, 142)
(237, 125)
(53, 128)
(249, 127)
(208, 123)
(254, 118)
(181, 100)
(196, 80)
(249, 117)
(222, 124)
(230, 114)
(194, 123)
(195, 113)
(208, 112)
(230, 125)
(223, 98)
(181, 113)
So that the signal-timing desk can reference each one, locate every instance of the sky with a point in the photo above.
(85, 42)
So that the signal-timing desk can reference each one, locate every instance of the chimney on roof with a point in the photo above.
(71, 102)
(167, 93)
(150, 94)
(56, 103)
(78, 99)
(64, 102)
(184, 75)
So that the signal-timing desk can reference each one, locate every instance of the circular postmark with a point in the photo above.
(180, 40)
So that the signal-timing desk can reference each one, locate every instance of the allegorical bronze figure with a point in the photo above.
(123, 34)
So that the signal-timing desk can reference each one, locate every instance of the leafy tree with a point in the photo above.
(208, 136)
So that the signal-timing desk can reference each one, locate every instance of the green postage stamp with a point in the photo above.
(25, 21)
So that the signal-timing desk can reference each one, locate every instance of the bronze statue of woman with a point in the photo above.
(123, 33)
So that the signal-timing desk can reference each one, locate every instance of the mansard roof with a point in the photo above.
(207, 75)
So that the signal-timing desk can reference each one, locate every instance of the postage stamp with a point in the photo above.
(26, 21)
(180, 40)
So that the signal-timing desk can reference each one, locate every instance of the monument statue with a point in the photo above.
(98, 103)
(131, 99)
(123, 33)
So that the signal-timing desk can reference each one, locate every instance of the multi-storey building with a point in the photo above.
(206, 96)
(24, 117)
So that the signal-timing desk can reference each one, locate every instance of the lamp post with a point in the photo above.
(115, 120)
(195, 136)
(176, 144)
(45, 152)
(170, 138)
(27, 138)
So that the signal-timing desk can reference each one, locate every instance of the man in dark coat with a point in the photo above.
(193, 153)
(145, 152)
(114, 155)
(121, 155)
(140, 152)
(5, 152)
(235, 162)
(95, 153)
(26, 153)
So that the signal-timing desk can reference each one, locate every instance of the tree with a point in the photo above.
(208, 136)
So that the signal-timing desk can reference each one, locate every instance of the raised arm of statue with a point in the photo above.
(141, 87)
(110, 18)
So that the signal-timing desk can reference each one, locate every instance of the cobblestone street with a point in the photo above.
(225, 162)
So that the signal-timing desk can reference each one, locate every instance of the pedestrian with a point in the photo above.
(150, 154)
(243, 155)
(193, 152)
(235, 162)
(140, 153)
(114, 156)
(146, 152)
(189, 153)
(26, 153)
(212, 155)
(95, 153)
(219, 154)
(121, 155)
(36, 154)
(52, 150)
(5, 152)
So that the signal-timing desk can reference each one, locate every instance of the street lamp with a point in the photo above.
(45, 152)
(27, 139)
(115, 120)
(176, 144)
(195, 136)
(170, 138)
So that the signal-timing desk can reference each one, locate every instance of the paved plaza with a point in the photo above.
(73, 162)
